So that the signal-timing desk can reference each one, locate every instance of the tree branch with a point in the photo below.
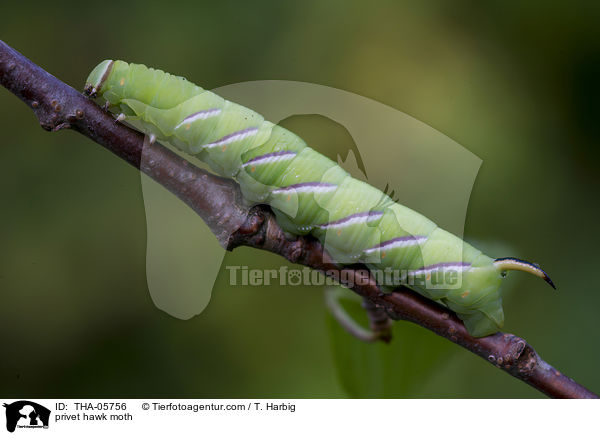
(218, 202)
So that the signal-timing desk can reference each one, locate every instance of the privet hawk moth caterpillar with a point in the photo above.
(308, 192)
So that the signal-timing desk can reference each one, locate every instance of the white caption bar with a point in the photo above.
(265, 416)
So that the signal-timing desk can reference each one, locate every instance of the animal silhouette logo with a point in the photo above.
(26, 414)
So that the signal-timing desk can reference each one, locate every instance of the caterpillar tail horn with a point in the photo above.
(511, 263)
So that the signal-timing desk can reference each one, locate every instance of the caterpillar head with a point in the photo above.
(98, 76)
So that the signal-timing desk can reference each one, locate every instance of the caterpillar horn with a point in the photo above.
(512, 263)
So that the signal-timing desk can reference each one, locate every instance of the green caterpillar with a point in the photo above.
(308, 192)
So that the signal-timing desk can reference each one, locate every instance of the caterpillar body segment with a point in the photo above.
(308, 192)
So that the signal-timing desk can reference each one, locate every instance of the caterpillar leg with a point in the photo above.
(379, 322)
(135, 120)
(380, 328)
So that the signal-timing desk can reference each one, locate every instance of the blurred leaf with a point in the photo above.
(380, 370)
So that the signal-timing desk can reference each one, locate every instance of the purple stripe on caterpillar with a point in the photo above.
(458, 266)
(363, 217)
(270, 157)
(309, 187)
(398, 242)
(203, 114)
(233, 137)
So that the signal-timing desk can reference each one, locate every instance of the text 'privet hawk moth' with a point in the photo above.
(308, 192)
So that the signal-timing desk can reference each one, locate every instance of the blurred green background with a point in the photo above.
(516, 83)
